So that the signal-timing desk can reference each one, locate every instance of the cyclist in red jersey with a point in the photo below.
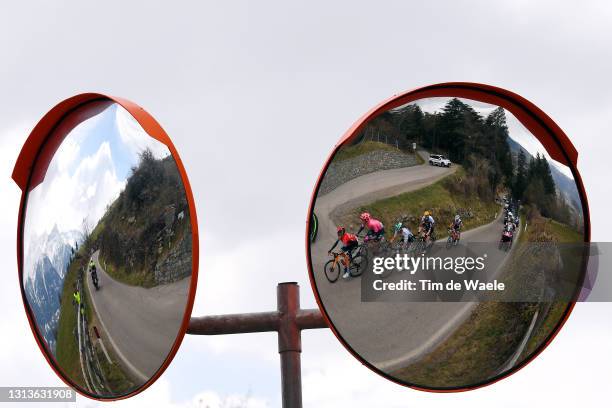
(349, 243)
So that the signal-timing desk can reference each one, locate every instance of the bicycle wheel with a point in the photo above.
(332, 271)
(357, 265)
(449, 242)
(429, 245)
(397, 247)
(363, 251)
(382, 246)
(415, 246)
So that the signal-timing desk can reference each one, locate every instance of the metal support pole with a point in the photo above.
(289, 343)
(288, 320)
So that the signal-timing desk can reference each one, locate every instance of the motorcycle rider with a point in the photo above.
(376, 229)
(349, 243)
(93, 272)
(508, 233)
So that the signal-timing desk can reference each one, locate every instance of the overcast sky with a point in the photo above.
(254, 96)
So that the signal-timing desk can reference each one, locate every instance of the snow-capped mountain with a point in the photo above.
(43, 293)
(45, 267)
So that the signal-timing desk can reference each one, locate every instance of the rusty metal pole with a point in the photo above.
(289, 343)
(288, 320)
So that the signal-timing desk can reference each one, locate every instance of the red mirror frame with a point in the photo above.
(554, 140)
(40, 147)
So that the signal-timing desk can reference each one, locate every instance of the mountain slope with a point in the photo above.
(565, 185)
(45, 269)
(144, 238)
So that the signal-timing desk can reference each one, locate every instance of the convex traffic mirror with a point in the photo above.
(446, 236)
(107, 244)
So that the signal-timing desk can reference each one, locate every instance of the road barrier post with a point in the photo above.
(288, 321)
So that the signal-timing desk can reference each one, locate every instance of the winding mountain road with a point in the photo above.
(139, 323)
(388, 335)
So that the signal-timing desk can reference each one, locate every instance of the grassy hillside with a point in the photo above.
(562, 234)
(146, 224)
(486, 341)
(67, 355)
(67, 351)
(348, 152)
(437, 198)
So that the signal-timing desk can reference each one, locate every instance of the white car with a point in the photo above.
(439, 160)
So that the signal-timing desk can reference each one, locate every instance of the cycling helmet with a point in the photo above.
(365, 216)
(426, 213)
(457, 217)
(398, 226)
(341, 230)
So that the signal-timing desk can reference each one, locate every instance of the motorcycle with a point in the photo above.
(94, 279)
(506, 240)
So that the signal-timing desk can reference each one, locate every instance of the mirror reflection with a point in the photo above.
(107, 250)
(445, 179)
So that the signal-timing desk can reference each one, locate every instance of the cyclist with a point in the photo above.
(407, 235)
(349, 243)
(428, 224)
(376, 229)
(456, 226)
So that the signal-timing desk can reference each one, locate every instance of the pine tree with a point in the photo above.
(497, 136)
(450, 134)
(547, 178)
(520, 181)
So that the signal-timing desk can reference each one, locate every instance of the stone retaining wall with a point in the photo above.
(177, 265)
(340, 172)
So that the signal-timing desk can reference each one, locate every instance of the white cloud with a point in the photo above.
(65, 198)
(211, 399)
(134, 136)
(160, 395)
(66, 154)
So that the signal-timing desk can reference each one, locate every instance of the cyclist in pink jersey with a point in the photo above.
(376, 229)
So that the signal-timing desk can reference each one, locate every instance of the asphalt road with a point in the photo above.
(388, 335)
(139, 324)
